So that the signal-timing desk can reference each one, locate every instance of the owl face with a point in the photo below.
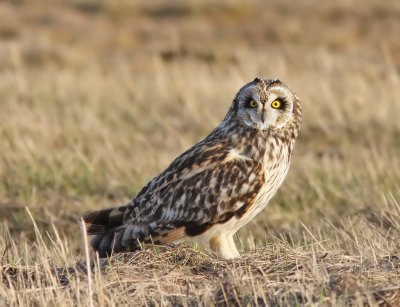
(264, 104)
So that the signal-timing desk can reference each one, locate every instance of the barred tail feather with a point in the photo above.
(106, 226)
(99, 222)
(112, 234)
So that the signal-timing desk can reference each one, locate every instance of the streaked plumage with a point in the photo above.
(217, 186)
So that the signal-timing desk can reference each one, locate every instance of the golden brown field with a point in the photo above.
(97, 97)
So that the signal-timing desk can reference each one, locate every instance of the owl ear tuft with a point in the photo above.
(257, 79)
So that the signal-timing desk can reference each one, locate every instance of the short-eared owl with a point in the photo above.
(214, 188)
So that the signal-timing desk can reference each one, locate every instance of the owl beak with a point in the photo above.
(263, 114)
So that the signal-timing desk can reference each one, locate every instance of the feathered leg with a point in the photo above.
(224, 245)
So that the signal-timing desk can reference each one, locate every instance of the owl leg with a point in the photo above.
(224, 245)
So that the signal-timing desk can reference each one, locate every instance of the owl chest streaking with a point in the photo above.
(217, 186)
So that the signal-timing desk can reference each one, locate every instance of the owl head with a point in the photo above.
(264, 104)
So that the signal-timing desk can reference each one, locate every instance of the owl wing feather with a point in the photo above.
(199, 189)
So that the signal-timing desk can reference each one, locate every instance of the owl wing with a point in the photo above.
(193, 194)
(207, 196)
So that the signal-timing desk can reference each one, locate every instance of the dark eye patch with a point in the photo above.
(283, 103)
(248, 102)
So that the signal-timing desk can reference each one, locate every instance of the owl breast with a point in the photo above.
(275, 171)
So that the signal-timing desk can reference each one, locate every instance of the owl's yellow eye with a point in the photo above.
(276, 104)
(252, 103)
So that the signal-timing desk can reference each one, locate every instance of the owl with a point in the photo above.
(217, 186)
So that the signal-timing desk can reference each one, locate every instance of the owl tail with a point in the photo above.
(105, 225)
(112, 234)
(99, 222)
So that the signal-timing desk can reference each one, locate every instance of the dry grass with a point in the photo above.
(98, 97)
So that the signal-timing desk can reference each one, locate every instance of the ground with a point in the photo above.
(96, 97)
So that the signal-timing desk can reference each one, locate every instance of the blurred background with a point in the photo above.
(97, 97)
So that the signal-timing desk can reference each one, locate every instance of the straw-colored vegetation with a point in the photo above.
(96, 97)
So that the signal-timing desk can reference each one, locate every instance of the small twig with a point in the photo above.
(8, 245)
(88, 270)
(312, 236)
